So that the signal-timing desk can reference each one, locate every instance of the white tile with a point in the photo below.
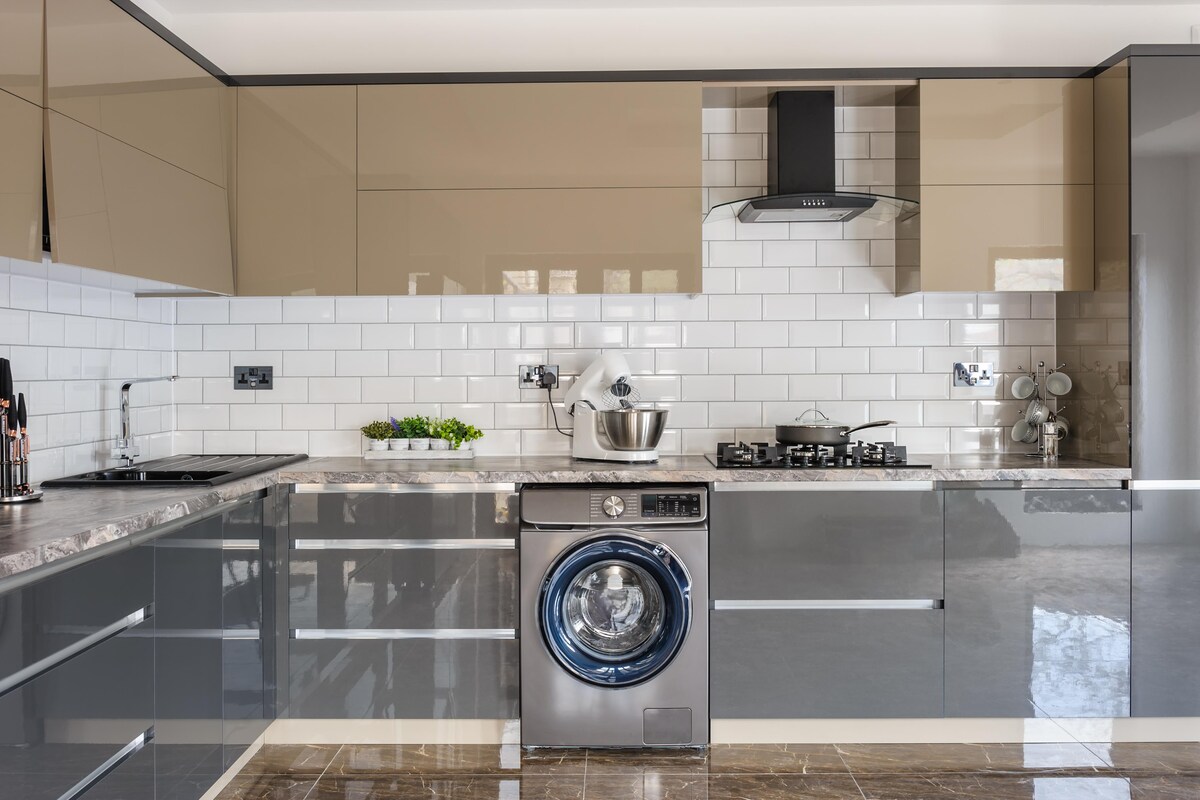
(761, 280)
(1031, 332)
(289, 390)
(923, 333)
(677, 361)
(992, 413)
(702, 441)
(680, 307)
(619, 308)
(934, 441)
(815, 230)
(95, 302)
(883, 253)
(308, 309)
(978, 440)
(484, 335)
(869, 334)
(28, 293)
(46, 329)
(843, 306)
(1006, 359)
(896, 359)
(718, 120)
(387, 390)
(468, 362)
(721, 280)
(735, 146)
(544, 443)
(655, 388)
(868, 118)
(707, 334)
(228, 337)
(81, 332)
(309, 363)
(196, 310)
(63, 363)
(787, 306)
(1005, 305)
(751, 173)
(440, 390)
(759, 388)
(950, 413)
(276, 442)
(414, 309)
(735, 254)
(417, 363)
(965, 333)
(281, 337)
(760, 334)
(361, 309)
(509, 361)
(789, 360)
(735, 307)
(600, 334)
(927, 386)
(903, 412)
(389, 335)
(520, 309)
(1042, 305)
(202, 365)
(816, 280)
(550, 334)
(63, 298)
(869, 387)
(852, 145)
(481, 415)
(258, 417)
(498, 443)
(334, 443)
(869, 172)
(520, 416)
(950, 306)
(843, 359)
(733, 414)
(718, 173)
(204, 417)
(498, 389)
(734, 361)
(576, 308)
(868, 280)
(352, 416)
(14, 326)
(355, 363)
(815, 334)
(685, 415)
(707, 387)
(943, 359)
(441, 336)
(468, 309)
(850, 253)
(255, 310)
(334, 390)
(752, 120)
(655, 334)
(790, 254)
(228, 443)
(815, 387)
(886, 306)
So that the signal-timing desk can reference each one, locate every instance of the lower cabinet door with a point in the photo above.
(826, 663)
(132, 779)
(1037, 603)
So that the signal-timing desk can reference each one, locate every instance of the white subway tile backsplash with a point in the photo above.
(707, 334)
(387, 390)
(483, 335)
(556, 334)
(897, 359)
(414, 309)
(520, 309)
(916, 333)
(578, 308)
(718, 388)
(815, 280)
(735, 254)
(815, 334)
(360, 309)
(808, 388)
(789, 254)
(440, 336)
(735, 361)
(875, 333)
(735, 146)
(974, 334)
(468, 309)
(680, 307)
(1028, 332)
(655, 334)
(255, 310)
(786, 306)
(760, 334)
(843, 306)
(308, 309)
(843, 253)
(949, 306)
(735, 307)
(281, 337)
(600, 334)
(468, 362)
(623, 308)
(199, 310)
(361, 363)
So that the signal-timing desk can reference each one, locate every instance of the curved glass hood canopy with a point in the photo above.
(801, 170)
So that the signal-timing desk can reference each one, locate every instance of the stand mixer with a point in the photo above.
(607, 424)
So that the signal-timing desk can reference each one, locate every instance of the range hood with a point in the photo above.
(800, 170)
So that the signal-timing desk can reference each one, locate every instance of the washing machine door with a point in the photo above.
(615, 610)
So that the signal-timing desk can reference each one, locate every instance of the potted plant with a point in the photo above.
(460, 434)
(378, 433)
(416, 430)
(438, 430)
(398, 441)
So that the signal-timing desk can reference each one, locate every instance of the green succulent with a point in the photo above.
(455, 431)
(413, 427)
(378, 430)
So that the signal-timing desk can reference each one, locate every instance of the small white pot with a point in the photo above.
(397, 444)
(377, 444)
(439, 444)
(464, 446)
(418, 444)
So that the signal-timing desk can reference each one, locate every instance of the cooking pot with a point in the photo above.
(822, 431)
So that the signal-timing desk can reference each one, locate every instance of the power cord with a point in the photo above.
(554, 413)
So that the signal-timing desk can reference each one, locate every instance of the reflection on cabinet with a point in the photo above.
(1037, 603)
(529, 241)
(20, 178)
(1006, 238)
(529, 136)
(21, 49)
(116, 208)
(1006, 131)
(296, 190)
(1166, 603)
(112, 73)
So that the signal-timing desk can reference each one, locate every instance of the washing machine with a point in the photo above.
(614, 616)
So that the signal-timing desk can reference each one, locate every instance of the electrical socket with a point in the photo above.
(974, 375)
(538, 376)
(253, 378)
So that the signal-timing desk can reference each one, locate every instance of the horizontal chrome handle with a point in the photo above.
(827, 605)
(823, 486)
(404, 544)
(111, 763)
(210, 544)
(1164, 486)
(403, 488)
(404, 633)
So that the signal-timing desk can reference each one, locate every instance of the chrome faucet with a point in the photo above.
(126, 449)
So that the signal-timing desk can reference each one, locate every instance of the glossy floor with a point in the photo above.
(724, 772)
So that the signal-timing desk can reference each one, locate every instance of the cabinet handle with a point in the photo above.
(111, 763)
(404, 544)
(824, 486)
(827, 605)
(404, 633)
(1151, 486)
(403, 488)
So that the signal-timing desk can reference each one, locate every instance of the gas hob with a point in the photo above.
(861, 455)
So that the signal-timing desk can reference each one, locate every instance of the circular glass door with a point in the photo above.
(616, 610)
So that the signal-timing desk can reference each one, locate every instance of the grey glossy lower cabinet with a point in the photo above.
(1038, 603)
(402, 602)
(1166, 603)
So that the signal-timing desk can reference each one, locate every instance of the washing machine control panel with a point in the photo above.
(638, 506)
(680, 505)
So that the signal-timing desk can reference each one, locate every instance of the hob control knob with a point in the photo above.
(613, 506)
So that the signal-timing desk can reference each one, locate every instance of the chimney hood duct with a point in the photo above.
(800, 170)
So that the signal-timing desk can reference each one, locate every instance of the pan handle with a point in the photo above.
(877, 424)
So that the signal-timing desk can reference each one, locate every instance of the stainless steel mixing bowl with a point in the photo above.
(633, 428)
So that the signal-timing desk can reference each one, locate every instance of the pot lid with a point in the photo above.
(819, 421)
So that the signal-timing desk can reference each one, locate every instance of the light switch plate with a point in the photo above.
(974, 375)
(538, 376)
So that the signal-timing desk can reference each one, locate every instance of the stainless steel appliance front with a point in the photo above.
(614, 616)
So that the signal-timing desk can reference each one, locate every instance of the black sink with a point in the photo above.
(189, 470)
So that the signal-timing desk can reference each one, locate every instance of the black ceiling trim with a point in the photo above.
(1139, 50)
(135, 11)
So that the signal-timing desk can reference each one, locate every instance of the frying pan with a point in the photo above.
(822, 431)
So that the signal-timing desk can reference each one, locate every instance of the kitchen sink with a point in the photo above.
(183, 470)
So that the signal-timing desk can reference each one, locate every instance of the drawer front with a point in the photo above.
(61, 726)
(403, 589)
(826, 664)
(817, 545)
(428, 513)
(404, 679)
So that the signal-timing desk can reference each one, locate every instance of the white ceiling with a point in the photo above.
(245, 37)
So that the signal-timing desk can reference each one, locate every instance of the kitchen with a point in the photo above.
(384, 426)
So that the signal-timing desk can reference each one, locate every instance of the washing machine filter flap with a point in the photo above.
(615, 610)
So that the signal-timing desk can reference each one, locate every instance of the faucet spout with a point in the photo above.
(126, 450)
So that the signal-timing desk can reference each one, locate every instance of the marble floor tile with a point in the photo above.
(799, 759)
(991, 786)
(938, 758)
(648, 761)
(1165, 787)
(267, 787)
(443, 759)
(1155, 757)
(451, 787)
(745, 787)
(289, 759)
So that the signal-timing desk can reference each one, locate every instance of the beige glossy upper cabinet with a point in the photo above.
(1006, 186)
(529, 136)
(21, 49)
(116, 208)
(20, 178)
(110, 72)
(1006, 131)
(296, 190)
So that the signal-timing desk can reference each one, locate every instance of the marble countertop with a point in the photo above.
(68, 522)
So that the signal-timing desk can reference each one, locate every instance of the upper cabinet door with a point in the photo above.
(1006, 131)
(529, 136)
(21, 48)
(20, 178)
(110, 72)
(296, 193)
